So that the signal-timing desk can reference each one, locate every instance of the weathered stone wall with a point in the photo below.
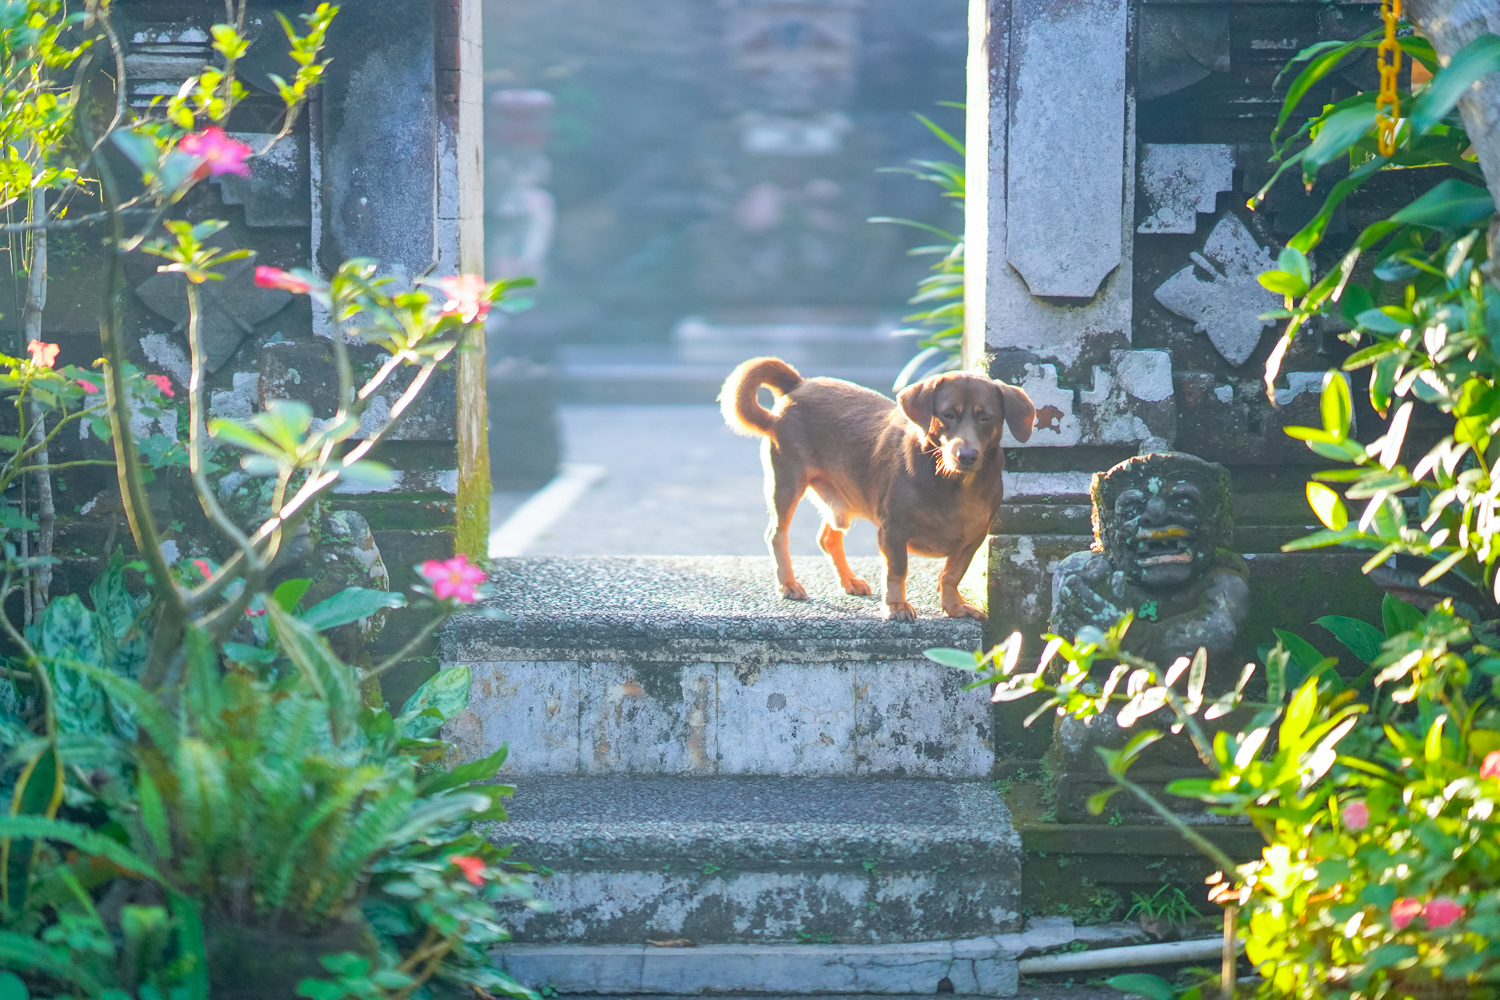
(385, 163)
(714, 156)
(1113, 274)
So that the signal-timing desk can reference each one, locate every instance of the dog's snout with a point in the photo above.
(966, 456)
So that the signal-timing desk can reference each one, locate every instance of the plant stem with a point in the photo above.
(196, 432)
(31, 330)
(1207, 847)
(1230, 958)
(405, 651)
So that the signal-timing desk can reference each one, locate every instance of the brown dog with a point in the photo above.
(925, 472)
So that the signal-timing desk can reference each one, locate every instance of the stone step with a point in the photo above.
(693, 666)
(757, 860)
(983, 966)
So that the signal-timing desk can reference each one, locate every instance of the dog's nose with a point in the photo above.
(966, 456)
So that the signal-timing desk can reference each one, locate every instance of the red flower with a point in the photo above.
(1441, 912)
(273, 277)
(88, 387)
(466, 297)
(1356, 815)
(473, 867)
(43, 354)
(163, 383)
(1491, 766)
(453, 578)
(203, 567)
(1404, 911)
(219, 153)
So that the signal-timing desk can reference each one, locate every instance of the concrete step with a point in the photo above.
(756, 860)
(982, 966)
(693, 666)
(811, 343)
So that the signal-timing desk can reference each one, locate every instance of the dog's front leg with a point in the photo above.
(893, 551)
(954, 606)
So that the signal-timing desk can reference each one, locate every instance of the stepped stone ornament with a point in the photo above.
(231, 307)
(1220, 292)
(1161, 524)
(1180, 181)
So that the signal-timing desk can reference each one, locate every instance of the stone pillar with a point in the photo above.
(400, 162)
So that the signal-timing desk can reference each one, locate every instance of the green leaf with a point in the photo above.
(1148, 986)
(1328, 505)
(1337, 406)
(289, 592)
(12, 519)
(479, 770)
(19, 951)
(333, 680)
(1362, 638)
(239, 652)
(11, 987)
(1303, 652)
(350, 605)
(190, 937)
(1479, 58)
(1294, 262)
(1449, 204)
(369, 473)
(1355, 300)
(238, 434)
(138, 148)
(447, 692)
(81, 837)
(1338, 132)
(1098, 800)
(1398, 616)
(958, 659)
(1283, 283)
(285, 422)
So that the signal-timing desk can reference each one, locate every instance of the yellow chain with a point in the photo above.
(1388, 54)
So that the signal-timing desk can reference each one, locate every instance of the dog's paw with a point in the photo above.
(900, 611)
(859, 588)
(963, 609)
(794, 591)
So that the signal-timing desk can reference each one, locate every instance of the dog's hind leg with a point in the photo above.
(836, 521)
(831, 541)
(784, 489)
(893, 550)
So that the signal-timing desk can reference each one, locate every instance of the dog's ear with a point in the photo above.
(917, 403)
(1020, 415)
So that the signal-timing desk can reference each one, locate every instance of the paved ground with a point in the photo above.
(678, 482)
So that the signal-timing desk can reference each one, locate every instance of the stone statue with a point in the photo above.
(1161, 524)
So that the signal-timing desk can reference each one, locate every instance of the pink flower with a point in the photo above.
(1491, 766)
(163, 383)
(272, 277)
(1356, 815)
(219, 153)
(203, 567)
(1441, 912)
(473, 867)
(1404, 911)
(43, 354)
(453, 578)
(466, 297)
(88, 387)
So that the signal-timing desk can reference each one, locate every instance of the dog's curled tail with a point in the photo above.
(742, 411)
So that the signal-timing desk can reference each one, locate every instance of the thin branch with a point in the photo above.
(31, 331)
(197, 431)
(412, 644)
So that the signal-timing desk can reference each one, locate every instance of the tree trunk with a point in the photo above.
(31, 329)
(1450, 25)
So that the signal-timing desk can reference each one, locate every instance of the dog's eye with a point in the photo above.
(950, 416)
(982, 417)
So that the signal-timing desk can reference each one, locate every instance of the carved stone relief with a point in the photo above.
(1066, 158)
(1179, 46)
(1220, 292)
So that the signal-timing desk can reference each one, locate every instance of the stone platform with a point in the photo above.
(698, 760)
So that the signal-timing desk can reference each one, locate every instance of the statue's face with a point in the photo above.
(1157, 532)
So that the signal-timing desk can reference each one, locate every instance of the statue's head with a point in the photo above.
(1160, 518)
